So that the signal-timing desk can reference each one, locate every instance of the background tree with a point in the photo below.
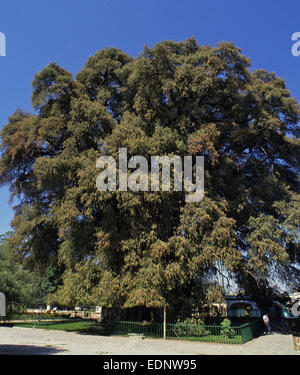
(153, 249)
(20, 286)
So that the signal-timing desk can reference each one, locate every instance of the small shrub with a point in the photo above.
(226, 329)
(190, 328)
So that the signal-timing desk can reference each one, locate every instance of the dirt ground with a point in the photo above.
(16, 340)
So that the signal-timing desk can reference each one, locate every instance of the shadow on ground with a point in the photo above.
(28, 350)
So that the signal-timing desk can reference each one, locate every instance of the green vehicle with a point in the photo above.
(289, 321)
(287, 315)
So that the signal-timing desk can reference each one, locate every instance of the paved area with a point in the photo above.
(16, 340)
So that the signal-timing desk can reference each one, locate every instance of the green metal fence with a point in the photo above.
(147, 329)
(204, 333)
(251, 330)
(183, 331)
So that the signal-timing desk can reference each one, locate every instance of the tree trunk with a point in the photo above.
(165, 322)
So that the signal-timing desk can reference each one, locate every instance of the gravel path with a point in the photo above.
(18, 340)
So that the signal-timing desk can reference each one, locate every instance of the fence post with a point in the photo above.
(165, 322)
(2, 304)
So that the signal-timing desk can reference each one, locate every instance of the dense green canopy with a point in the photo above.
(152, 248)
(20, 286)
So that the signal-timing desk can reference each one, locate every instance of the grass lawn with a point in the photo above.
(211, 338)
(84, 327)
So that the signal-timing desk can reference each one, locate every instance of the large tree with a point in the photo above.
(152, 248)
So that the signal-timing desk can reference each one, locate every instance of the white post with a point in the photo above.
(2, 304)
(165, 322)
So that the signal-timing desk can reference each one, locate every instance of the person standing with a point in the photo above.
(266, 320)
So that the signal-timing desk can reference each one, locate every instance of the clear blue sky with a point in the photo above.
(69, 31)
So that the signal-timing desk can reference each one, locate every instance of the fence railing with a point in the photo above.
(183, 331)
(204, 333)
